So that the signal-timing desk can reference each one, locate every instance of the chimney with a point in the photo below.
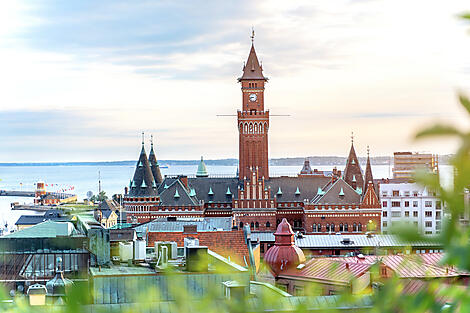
(184, 180)
(189, 229)
(126, 190)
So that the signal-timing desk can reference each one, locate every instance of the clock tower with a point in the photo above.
(253, 120)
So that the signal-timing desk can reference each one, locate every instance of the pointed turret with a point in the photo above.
(252, 68)
(201, 169)
(143, 181)
(352, 172)
(155, 167)
(368, 178)
(306, 169)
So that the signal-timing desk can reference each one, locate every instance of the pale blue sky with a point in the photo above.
(81, 79)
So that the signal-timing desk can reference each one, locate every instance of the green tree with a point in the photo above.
(99, 197)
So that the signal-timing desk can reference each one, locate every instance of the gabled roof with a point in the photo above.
(176, 194)
(252, 68)
(306, 185)
(339, 193)
(109, 205)
(370, 199)
(352, 172)
(219, 187)
(143, 181)
(154, 166)
(47, 229)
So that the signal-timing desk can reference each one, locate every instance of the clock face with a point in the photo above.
(253, 97)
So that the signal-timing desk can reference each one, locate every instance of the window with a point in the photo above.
(299, 291)
(332, 227)
(241, 224)
(407, 213)
(384, 193)
(396, 193)
(415, 204)
(407, 193)
(327, 228)
(415, 213)
(428, 232)
(256, 225)
(438, 205)
(319, 227)
(395, 204)
(438, 225)
(428, 224)
(438, 215)
(359, 226)
(384, 224)
(268, 224)
(345, 227)
(354, 227)
(428, 213)
(415, 193)
(341, 227)
(407, 204)
(252, 225)
(314, 228)
(428, 204)
(384, 204)
(384, 213)
(396, 214)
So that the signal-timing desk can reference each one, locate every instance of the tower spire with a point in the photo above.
(151, 141)
(143, 137)
(352, 137)
(252, 34)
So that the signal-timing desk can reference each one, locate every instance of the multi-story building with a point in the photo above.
(313, 201)
(412, 204)
(405, 164)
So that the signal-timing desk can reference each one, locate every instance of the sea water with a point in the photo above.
(78, 179)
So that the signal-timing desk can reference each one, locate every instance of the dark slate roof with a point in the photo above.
(333, 194)
(308, 187)
(157, 175)
(52, 215)
(143, 173)
(109, 205)
(106, 213)
(202, 224)
(353, 170)
(168, 196)
(127, 234)
(202, 185)
(252, 68)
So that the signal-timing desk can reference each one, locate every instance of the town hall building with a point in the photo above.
(312, 201)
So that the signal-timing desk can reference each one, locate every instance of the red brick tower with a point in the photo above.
(253, 120)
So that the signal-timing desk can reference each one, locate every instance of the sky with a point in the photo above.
(80, 80)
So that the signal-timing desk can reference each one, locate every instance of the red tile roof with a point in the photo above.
(328, 269)
(229, 244)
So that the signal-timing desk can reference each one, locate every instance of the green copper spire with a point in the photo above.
(201, 169)
(228, 193)
(297, 192)
(177, 195)
(279, 191)
(210, 193)
(341, 192)
(144, 185)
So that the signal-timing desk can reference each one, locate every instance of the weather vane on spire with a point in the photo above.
(368, 150)
(143, 138)
(151, 140)
(252, 34)
(352, 137)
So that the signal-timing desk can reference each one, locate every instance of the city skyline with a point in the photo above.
(81, 87)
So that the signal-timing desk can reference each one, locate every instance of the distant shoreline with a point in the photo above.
(314, 161)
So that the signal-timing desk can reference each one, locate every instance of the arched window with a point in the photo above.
(256, 225)
(314, 228)
(268, 224)
(346, 227)
(256, 128)
(327, 228)
(318, 227)
(252, 225)
(354, 227)
(341, 227)
(241, 225)
(246, 128)
(251, 128)
(359, 226)
(332, 227)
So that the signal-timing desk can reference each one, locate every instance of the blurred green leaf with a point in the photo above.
(439, 130)
(465, 102)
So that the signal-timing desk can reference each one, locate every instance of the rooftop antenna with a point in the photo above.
(99, 183)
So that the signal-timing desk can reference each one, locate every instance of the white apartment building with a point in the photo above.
(412, 204)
